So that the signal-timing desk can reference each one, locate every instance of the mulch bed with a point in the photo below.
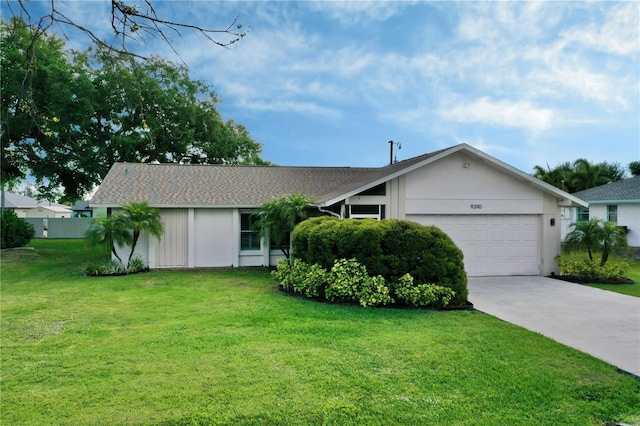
(574, 279)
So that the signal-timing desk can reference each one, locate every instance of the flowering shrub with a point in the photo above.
(590, 270)
(422, 294)
(348, 281)
(302, 278)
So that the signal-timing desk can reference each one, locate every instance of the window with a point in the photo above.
(248, 237)
(612, 213)
(366, 211)
(376, 190)
(583, 214)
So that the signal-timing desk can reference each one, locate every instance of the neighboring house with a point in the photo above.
(81, 209)
(505, 221)
(28, 207)
(617, 202)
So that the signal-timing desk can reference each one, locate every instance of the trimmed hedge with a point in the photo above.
(390, 248)
(16, 232)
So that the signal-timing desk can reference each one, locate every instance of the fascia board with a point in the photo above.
(614, 202)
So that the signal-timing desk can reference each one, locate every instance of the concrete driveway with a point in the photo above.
(601, 323)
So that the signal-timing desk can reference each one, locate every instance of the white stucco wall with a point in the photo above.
(448, 187)
(628, 215)
(463, 185)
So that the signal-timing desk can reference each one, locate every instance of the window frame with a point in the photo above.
(254, 238)
(612, 212)
(378, 216)
(580, 214)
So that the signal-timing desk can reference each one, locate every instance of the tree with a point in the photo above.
(125, 228)
(559, 176)
(138, 218)
(634, 168)
(131, 22)
(611, 236)
(81, 112)
(612, 171)
(587, 175)
(579, 175)
(107, 232)
(276, 219)
(595, 235)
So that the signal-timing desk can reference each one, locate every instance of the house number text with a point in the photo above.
(476, 206)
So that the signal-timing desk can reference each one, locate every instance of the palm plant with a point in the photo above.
(138, 218)
(108, 231)
(587, 175)
(276, 219)
(595, 235)
(611, 236)
(124, 229)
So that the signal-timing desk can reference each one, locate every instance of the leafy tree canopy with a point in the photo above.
(66, 116)
(580, 174)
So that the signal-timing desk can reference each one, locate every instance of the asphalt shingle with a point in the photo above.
(182, 185)
(622, 190)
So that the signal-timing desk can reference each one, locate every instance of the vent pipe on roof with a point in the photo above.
(391, 144)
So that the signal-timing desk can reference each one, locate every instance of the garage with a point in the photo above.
(493, 245)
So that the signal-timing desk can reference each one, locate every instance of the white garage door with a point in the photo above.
(492, 244)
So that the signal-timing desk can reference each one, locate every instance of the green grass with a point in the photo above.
(226, 347)
(629, 289)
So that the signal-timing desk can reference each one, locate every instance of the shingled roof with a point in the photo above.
(622, 190)
(237, 186)
(182, 185)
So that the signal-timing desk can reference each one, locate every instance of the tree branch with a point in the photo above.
(129, 20)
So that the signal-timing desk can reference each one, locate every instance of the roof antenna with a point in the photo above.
(393, 159)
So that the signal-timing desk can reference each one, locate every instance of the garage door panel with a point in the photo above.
(492, 244)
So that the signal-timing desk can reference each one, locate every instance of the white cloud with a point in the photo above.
(288, 106)
(618, 34)
(358, 12)
(519, 114)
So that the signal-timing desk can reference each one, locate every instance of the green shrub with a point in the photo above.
(350, 282)
(390, 248)
(100, 269)
(347, 281)
(115, 268)
(16, 232)
(407, 292)
(589, 270)
(302, 278)
(136, 265)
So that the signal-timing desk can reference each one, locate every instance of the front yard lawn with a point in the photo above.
(630, 289)
(634, 274)
(227, 347)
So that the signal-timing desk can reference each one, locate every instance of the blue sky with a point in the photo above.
(330, 83)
